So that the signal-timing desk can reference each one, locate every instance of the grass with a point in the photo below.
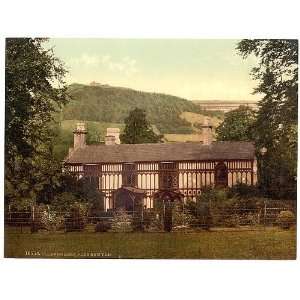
(69, 125)
(262, 244)
(183, 138)
(194, 118)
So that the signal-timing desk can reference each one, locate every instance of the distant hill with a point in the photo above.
(224, 105)
(102, 106)
(103, 103)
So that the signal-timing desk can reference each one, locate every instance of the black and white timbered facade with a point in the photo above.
(152, 171)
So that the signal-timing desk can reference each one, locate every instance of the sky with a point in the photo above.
(195, 69)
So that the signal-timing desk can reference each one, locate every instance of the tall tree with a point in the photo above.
(34, 90)
(276, 124)
(237, 125)
(138, 130)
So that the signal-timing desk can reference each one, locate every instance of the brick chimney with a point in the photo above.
(79, 135)
(207, 131)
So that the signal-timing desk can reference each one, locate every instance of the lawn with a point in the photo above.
(261, 244)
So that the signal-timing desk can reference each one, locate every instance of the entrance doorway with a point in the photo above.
(221, 175)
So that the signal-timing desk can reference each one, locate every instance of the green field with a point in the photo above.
(261, 244)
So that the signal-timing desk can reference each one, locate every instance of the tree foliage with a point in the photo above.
(34, 90)
(276, 122)
(138, 130)
(237, 125)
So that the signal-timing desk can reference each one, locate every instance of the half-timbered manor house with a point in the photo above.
(125, 172)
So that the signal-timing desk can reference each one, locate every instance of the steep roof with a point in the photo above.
(162, 152)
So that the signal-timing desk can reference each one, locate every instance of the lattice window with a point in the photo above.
(129, 174)
(91, 169)
(168, 175)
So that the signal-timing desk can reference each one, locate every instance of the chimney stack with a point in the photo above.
(112, 136)
(207, 131)
(110, 140)
(79, 135)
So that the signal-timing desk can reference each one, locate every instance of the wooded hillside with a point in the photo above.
(113, 104)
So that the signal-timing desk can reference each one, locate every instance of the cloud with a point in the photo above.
(126, 66)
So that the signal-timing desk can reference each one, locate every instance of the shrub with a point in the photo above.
(252, 219)
(243, 190)
(121, 222)
(152, 220)
(283, 203)
(204, 217)
(155, 225)
(137, 222)
(182, 218)
(51, 221)
(21, 204)
(148, 216)
(18, 218)
(44, 218)
(253, 203)
(232, 221)
(87, 191)
(102, 226)
(286, 219)
(63, 201)
(75, 219)
(213, 195)
(191, 207)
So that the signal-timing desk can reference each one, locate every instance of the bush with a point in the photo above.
(210, 206)
(253, 203)
(232, 221)
(252, 219)
(102, 226)
(191, 207)
(283, 203)
(204, 217)
(137, 223)
(51, 221)
(243, 190)
(63, 201)
(215, 206)
(21, 204)
(168, 215)
(286, 219)
(148, 217)
(75, 219)
(184, 219)
(152, 220)
(155, 225)
(213, 195)
(121, 222)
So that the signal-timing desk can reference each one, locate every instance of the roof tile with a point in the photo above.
(162, 152)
